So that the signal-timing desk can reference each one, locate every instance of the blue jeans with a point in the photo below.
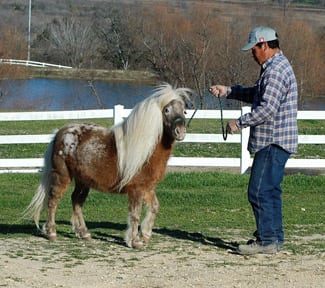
(264, 193)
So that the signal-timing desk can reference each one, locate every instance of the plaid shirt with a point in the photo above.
(273, 117)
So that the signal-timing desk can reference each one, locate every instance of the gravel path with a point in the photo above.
(167, 262)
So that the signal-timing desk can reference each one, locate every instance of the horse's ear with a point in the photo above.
(189, 104)
(189, 97)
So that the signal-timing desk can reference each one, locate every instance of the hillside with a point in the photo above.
(15, 13)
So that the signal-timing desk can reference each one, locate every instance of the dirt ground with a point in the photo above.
(166, 262)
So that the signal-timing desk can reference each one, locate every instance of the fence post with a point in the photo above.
(118, 113)
(245, 157)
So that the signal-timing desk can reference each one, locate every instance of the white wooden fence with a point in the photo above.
(31, 63)
(23, 165)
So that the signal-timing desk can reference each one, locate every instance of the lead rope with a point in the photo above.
(190, 120)
(224, 131)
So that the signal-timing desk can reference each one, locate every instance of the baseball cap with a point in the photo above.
(259, 35)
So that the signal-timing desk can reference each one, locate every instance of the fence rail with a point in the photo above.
(33, 165)
(31, 63)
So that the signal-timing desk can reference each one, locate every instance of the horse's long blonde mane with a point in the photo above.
(137, 136)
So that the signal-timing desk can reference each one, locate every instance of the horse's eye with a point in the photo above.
(185, 112)
(167, 110)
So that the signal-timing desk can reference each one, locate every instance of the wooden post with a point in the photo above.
(118, 113)
(245, 158)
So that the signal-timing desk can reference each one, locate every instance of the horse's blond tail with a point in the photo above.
(35, 207)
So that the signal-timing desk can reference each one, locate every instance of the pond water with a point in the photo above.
(51, 94)
(42, 94)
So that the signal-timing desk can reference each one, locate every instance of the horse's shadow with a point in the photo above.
(173, 233)
(11, 229)
(108, 237)
(97, 233)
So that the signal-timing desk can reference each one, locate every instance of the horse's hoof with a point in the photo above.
(137, 244)
(86, 237)
(51, 236)
(83, 234)
(146, 239)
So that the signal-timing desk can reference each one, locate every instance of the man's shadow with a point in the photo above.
(197, 237)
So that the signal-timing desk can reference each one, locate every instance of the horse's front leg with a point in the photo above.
(152, 203)
(132, 233)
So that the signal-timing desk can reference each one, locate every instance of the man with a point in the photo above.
(273, 135)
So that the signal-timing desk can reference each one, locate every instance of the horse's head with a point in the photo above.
(174, 119)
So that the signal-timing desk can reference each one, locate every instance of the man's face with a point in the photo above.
(259, 53)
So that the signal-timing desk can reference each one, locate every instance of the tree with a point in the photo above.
(69, 41)
(173, 53)
(304, 49)
(117, 28)
(159, 38)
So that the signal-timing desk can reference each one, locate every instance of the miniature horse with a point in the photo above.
(129, 158)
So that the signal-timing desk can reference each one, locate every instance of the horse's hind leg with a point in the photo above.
(59, 184)
(152, 209)
(78, 198)
(132, 234)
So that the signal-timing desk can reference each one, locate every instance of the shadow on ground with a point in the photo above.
(97, 230)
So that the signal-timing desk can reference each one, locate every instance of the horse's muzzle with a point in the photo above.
(179, 129)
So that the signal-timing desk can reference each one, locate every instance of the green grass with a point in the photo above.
(195, 205)
(43, 127)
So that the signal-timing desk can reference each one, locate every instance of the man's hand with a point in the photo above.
(218, 90)
(232, 127)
